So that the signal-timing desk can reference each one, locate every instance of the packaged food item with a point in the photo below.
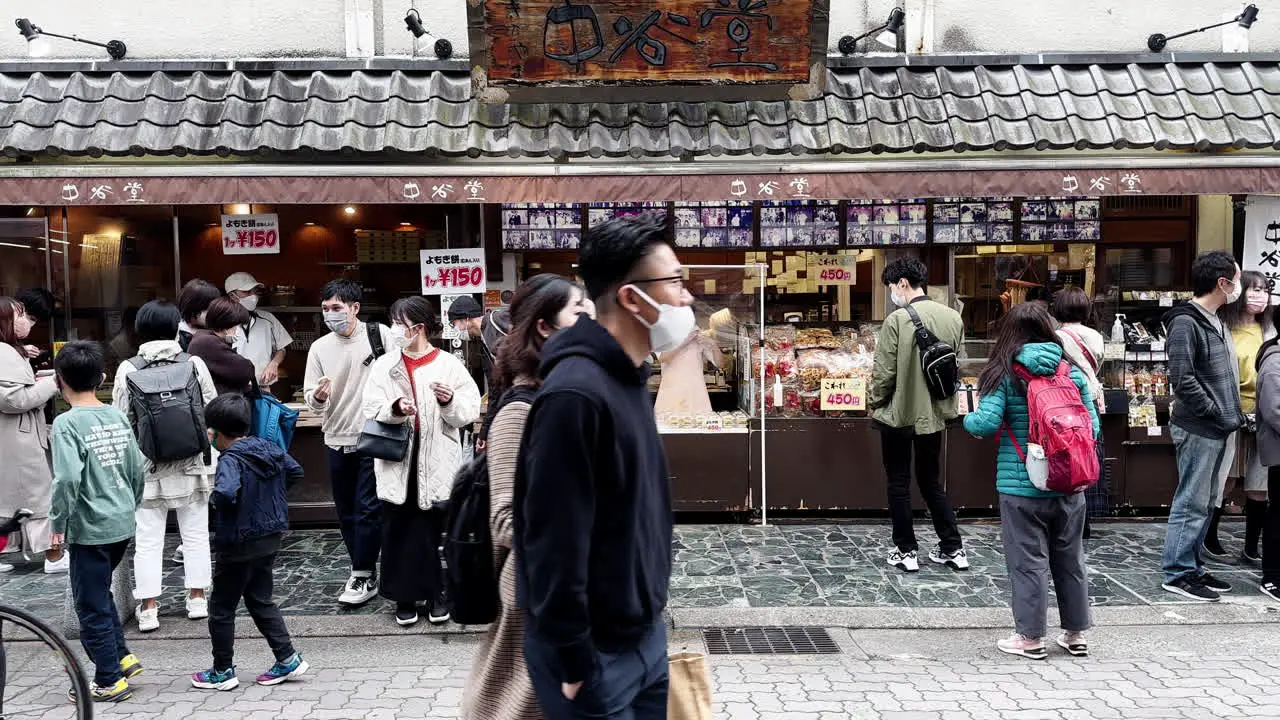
(779, 337)
(816, 338)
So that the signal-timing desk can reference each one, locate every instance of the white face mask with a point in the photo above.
(339, 322)
(896, 299)
(1235, 293)
(250, 303)
(672, 326)
(400, 334)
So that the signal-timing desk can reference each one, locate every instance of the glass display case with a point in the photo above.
(797, 357)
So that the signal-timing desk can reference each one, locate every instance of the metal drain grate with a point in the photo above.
(769, 641)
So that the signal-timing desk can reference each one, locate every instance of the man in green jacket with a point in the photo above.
(909, 419)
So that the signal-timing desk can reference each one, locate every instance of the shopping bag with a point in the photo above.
(689, 694)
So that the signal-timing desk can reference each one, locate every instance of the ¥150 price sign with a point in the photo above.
(843, 394)
(453, 272)
(833, 269)
(251, 234)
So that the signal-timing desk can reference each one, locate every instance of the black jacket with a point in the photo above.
(593, 521)
(1202, 375)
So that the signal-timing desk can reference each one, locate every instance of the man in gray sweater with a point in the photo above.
(1205, 412)
(337, 368)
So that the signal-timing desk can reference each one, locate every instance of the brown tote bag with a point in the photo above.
(689, 697)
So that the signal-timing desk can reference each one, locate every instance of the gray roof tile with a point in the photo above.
(865, 109)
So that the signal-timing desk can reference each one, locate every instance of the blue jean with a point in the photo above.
(630, 684)
(101, 632)
(355, 497)
(1199, 462)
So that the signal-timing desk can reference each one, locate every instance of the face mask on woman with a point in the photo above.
(22, 326)
(402, 335)
(1256, 301)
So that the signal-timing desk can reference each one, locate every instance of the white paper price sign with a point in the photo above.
(453, 272)
(843, 394)
(833, 269)
(251, 234)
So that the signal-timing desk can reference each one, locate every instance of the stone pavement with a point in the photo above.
(1144, 672)
(722, 568)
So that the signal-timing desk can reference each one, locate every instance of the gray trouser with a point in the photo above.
(1044, 536)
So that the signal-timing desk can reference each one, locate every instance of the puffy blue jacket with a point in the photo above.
(1007, 404)
(249, 491)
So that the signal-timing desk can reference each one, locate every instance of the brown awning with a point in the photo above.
(129, 186)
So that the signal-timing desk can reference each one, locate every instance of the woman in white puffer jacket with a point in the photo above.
(420, 384)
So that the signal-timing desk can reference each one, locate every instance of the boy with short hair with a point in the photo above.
(98, 479)
(252, 516)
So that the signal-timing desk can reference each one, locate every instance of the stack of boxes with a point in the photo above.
(388, 246)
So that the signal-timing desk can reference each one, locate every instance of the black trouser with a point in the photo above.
(235, 578)
(101, 632)
(1271, 531)
(630, 684)
(355, 497)
(897, 446)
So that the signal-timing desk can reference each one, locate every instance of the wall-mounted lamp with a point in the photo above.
(1246, 19)
(413, 21)
(37, 46)
(890, 34)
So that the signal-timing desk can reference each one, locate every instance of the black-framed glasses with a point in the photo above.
(679, 279)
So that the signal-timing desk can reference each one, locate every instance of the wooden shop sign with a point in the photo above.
(647, 50)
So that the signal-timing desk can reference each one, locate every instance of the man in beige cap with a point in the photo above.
(264, 339)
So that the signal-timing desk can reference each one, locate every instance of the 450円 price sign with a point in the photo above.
(833, 269)
(845, 394)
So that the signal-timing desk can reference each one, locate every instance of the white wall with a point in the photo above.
(318, 28)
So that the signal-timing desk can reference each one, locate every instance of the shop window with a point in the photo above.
(714, 224)
(115, 260)
(799, 223)
(541, 226)
(886, 222)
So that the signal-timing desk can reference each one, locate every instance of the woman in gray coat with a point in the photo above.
(24, 438)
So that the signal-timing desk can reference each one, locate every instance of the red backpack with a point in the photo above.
(1061, 424)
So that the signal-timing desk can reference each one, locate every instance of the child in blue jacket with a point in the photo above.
(1043, 531)
(252, 515)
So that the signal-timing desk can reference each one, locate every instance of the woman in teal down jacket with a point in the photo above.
(1043, 531)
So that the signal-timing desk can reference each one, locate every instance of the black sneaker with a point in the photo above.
(439, 614)
(1214, 549)
(1271, 590)
(1250, 558)
(1214, 584)
(1190, 587)
(406, 614)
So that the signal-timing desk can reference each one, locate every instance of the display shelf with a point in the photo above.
(697, 431)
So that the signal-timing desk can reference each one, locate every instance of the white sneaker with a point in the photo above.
(956, 560)
(360, 589)
(197, 608)
(6, 568)
(148, 620)
(178, 557)
(904, 561)
(61, 566)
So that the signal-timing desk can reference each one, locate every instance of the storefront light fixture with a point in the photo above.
(240, 209)
(413, 21)
(889, 34)
(349, 210)
(1246, 19)
(39, 46)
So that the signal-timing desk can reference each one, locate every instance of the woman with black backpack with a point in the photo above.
(1043, 530)
(499, 686)
(182, 485)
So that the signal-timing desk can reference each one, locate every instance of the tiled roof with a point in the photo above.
(868, 109)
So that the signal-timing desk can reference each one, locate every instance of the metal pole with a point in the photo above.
(764, 435)
(66, 277)
(177, 256)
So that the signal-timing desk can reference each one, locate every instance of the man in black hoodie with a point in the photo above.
(593, 522)
(1205, 412)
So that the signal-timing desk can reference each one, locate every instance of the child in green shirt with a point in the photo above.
(98, 475)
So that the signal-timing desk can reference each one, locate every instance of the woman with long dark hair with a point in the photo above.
(1249, 320)
(27, 481)
(1268, 447)
(1042, 530)
(499, 687)
(415, 383)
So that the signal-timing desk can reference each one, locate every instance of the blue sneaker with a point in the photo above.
(289, 669)
(213, 679)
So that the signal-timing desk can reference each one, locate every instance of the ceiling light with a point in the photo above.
(889, 34)
(350, 210)
(413, 21)
(15, 245)
(240, 209)
(1246, 19)
(37, 46)
(405, 224)
(311, 224)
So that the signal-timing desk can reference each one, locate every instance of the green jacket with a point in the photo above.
(98, 476)
(898, 396)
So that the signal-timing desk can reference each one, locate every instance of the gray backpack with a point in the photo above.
(166, 408)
